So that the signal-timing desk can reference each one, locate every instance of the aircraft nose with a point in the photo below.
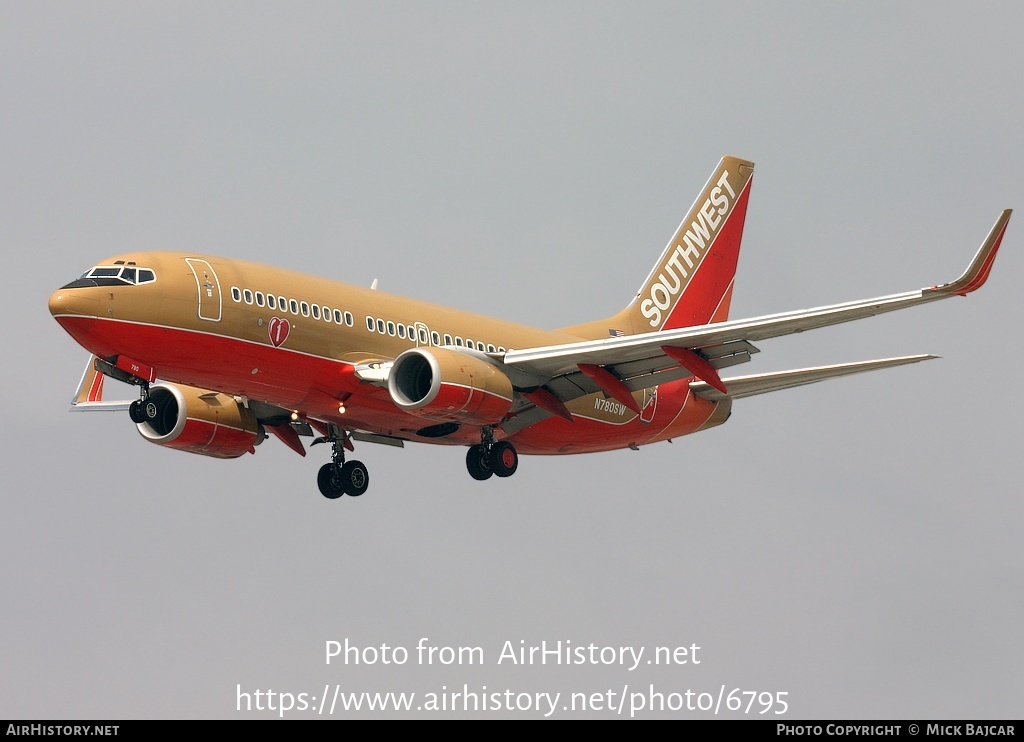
(74, 306)
(78, 297)
(57, 303)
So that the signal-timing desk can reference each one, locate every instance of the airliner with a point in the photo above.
(226, 352)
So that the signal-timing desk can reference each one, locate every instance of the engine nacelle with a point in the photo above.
(449, 386)
(198, 421)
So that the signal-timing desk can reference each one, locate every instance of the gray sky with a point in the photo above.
(855, 544)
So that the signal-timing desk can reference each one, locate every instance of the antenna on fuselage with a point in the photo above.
(373, 286)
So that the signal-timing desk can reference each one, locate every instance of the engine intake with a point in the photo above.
(198, 421)
(449, 386)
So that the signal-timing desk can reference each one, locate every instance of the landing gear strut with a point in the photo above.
(489, 457)
(341, 477)
(143, 409)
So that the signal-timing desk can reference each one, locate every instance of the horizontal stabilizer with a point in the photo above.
(748, 386)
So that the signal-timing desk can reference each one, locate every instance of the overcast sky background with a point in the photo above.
(856, 544)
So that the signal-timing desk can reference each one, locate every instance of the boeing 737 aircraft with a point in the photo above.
(225, 351)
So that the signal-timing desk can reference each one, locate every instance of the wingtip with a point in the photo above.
(981, 265)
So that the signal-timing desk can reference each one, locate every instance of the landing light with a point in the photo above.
(295, 417)
(341, 408)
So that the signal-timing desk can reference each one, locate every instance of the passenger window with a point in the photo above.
(271, 302)
(380, 326)
(236, 293)
(316, 311)
(248, 296)
(348, 318)
(435, 338)
(294, 306)
(259, 298)
(369, 324)
(391, 329)
(304, 306)
(401, 331)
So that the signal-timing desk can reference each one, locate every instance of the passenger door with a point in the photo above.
(210, 301)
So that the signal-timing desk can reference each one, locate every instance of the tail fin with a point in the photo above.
(691, 284)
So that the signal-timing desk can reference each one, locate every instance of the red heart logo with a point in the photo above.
(279, 329)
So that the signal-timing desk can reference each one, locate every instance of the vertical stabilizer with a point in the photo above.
(692, 282)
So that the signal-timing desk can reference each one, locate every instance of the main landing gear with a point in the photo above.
(489, 457)
(341, 477)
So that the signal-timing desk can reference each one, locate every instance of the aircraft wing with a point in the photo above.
(648, 359)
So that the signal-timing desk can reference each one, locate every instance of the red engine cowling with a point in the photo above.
(449, 386)
(198, 421)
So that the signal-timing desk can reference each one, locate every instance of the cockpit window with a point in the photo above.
(126, 274)
(114, 275)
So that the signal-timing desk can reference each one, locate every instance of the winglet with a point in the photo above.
(977, 272)
(89, 395)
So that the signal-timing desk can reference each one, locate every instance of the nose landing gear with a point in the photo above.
(135, 412)
(144, 409)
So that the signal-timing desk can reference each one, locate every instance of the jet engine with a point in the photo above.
(198, 421)
(449, 386)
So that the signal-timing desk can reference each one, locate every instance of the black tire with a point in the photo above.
(150, 410)
(477, 464)
(504, 459)
(354, 478)
(135, 412)
(329, 482)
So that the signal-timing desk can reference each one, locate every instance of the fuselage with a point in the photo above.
(295, 341)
